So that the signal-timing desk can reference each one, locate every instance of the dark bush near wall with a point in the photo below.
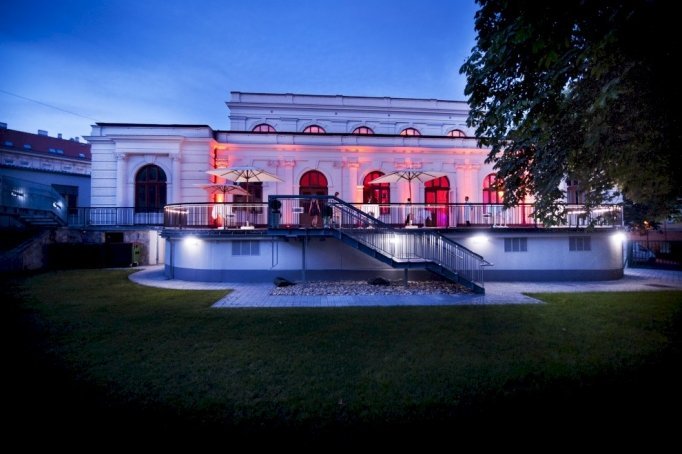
(100, 255)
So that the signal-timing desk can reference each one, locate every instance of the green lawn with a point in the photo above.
(90, 349)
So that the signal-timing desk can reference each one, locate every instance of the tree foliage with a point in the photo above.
(579, 88)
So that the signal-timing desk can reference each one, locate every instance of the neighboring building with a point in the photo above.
(321, 145)
(60, 163)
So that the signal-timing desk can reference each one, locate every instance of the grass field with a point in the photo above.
(92, 351)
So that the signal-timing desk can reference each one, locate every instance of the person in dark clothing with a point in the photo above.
(314, 213)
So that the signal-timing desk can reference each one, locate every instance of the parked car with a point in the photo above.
(642, 254)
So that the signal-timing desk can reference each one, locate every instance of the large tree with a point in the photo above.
(583, 89)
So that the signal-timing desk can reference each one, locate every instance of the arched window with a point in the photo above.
(313, 183)
(376, 192)
(263, 127)
(492, 189)
(456, 133)
(410, 132)
(314, 129)
(437, 192)
(150, 189)
(363, 130)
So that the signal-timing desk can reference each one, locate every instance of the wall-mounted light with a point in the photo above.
(191, 240)
(619, 237)
(57, 205)
(16, 193)
(479, 238)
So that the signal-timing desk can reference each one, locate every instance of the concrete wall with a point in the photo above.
(547, 258)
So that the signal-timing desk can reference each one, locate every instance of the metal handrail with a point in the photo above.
(399, 245)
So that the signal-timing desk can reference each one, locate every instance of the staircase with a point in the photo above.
(403, 248)
(31, 204)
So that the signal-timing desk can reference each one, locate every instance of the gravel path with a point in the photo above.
(322, 288)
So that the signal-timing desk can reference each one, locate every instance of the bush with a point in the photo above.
(282, 282)
(378, 281)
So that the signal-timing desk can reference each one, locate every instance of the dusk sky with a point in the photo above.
(175, 61)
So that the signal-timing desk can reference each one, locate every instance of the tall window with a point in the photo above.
(363, 130)
(492, 189)
(410, 132)
(377, 192)
(437, 191)
(314, 129)
(150, 189)
(456, 133)
(263, 127)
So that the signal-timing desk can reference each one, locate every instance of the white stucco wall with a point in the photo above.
(186, 152)
(119, 151)
(547, 257)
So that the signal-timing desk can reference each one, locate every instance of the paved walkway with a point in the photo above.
(258, 294)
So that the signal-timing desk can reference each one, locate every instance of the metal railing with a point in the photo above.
(295, 212)
(215, 215)
(452, 215)
(402, 246)
(114, 216)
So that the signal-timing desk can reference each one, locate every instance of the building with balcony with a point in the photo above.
(326, 151)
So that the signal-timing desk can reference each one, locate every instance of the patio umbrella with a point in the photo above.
(245, 174)
(409, 175)
(224, 189)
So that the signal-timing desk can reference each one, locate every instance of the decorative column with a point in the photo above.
(287, 216)
(291, 177)
(121, 180)
(353, 183)
(467, 183)
(177, 189)
(283, 164)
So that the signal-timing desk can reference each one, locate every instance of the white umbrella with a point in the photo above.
(245, 174)
(224, 189)
(409, 175)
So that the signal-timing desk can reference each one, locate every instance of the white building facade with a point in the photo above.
(324, 145)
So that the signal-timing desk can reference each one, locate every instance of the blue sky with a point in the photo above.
(175, 61)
